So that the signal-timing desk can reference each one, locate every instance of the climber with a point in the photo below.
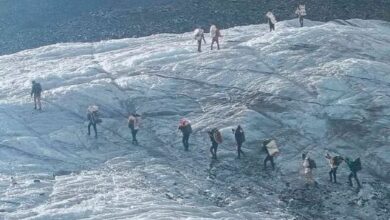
(93, 118)
(215, 35)
(270, 147)
(271, 20)
(239, 135)
(301, 12)
(308, 166)
(199, 36)
(216, 138)
(334, 163)
(36, 92)
(134, 122)
(354, 166)
(186, 130)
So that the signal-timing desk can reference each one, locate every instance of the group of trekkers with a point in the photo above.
(269, 146)
(271, 149)
(215, 33)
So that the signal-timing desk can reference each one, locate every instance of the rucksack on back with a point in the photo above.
(312, 164)
(218, 136)
(337, 160)
(357, 164)
(39, 88)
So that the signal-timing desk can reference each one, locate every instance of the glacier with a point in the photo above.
(317, 89)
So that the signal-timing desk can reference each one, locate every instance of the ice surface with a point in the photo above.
(320, 88)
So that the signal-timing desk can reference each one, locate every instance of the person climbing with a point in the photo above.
(301, 12)
(270, 147)
(239, 135)
(271, 20)
(354, 166)
(334, 163)
(216, 138)
(93, 118)
(308, 166)
(134, 122)
(186, 130)
(199, 36)
(215, 35)
(36, 91)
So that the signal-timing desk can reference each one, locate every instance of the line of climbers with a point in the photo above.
(271, 149)
(269, 146)
(215, 33)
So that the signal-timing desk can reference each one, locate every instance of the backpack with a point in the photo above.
(357, 164)
(217, 136)
(337, 160)
(38, 88)
(131, 122)
(213, 31)
(198, 34)
(312, 164)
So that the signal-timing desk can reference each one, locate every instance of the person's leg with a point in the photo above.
(330, 175)
(357, 180)
(89, 128)
(270, 27)
(94, 128)
(39, 102)
(301, 20)
(135, 135)
(215, 151)
(212, 44)
(217, 40)
(238, 150)
(212, 151)
(350, 179)
(265, 161)
(187, 142)
(272, 162)
(199, 45)
(334, 174)
(35, 102)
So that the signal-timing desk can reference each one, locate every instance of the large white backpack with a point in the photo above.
(213, 31)
(198, 33)
(301, 10)
(271, 17)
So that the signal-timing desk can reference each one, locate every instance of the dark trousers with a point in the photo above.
(186, 145)
(215, 40)
(199, 45)
(134, 135)
(353, 175)
(332, 174)
(271, 159)
(94, 128)
(37, 102)
(271, 26)
(239, 151)
(213, 150)
(301, 20)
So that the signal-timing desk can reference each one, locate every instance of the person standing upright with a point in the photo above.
(271, 20)
(199, 36)
(134, 122)
(301, 12)
(215, 35)
(186, 130)
(36, 91)
(239, 135)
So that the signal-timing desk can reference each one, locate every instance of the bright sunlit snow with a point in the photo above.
(324, 87)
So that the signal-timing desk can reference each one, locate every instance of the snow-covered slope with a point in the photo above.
(324, 87)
